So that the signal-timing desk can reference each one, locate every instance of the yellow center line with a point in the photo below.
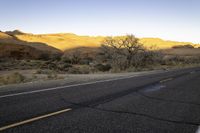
(34, 119)
(165, 80)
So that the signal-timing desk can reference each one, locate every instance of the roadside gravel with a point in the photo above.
(69, 80)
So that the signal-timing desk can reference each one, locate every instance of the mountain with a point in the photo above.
(56, 44)
(15, 32)
(10, 38)
(63, 41)
(162, 44)
(70, 41)
(12, 47)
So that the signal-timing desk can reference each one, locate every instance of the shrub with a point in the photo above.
(102, 67)
(183, 46)
(12, 79)
(74, 70)
(52, 75)
(64, 66)
(85, 70)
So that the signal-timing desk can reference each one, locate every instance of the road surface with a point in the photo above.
(166, 102)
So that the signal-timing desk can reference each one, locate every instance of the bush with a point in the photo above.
(85, 70)
(74, 70)
(52, 76)
(64, 66)
(12, 79)
(183, 46)
(102, 67)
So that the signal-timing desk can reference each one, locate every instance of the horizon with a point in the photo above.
(176, 20)
(100, 35)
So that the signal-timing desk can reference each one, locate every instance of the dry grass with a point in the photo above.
(70, 41)
(63, 41)
(13, 78)
(183, 51)
(162, 44)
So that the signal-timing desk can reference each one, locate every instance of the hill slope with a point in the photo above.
(69, 41)
(10, 38)
(63, 41)
(162, 44)
(16, 51)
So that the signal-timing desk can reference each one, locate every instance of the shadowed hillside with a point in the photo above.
(16, 51)
(9, 38)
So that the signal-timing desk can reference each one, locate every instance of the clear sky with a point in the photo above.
(168, 19)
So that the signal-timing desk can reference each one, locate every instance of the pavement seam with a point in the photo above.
(168, 100)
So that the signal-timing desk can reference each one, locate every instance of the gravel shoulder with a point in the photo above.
(69, 79)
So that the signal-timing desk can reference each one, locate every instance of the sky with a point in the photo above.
(177, 20)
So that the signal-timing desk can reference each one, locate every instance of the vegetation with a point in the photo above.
(12, 79)
(70, 41)
(114, 54)
(127, 52)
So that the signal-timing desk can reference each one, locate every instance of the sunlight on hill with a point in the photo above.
(68, 41)
(63, 41)
(4, 36)
(161, 44)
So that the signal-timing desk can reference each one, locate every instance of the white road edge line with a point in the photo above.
(34, 119)
(198, 130)
(62, 87)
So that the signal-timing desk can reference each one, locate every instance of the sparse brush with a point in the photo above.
(12, 79)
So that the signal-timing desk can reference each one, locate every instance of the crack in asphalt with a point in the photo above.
(168, 100)
(94, 103)
(78, 106)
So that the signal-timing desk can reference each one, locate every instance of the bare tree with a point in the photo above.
(122, 50)
(132, 46)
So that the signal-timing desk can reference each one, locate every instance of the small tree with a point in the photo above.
(122, 51)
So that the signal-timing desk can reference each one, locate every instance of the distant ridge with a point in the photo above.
(10, 37)
(15, 32)
(10, 45)
(65, 41)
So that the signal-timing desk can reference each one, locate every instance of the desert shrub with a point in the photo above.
(56, 57)
(34, 76)
(85, 69)
(148, 58)
(79, 70)
(64, 66)
(183, 46)
(12, 78)
(15, 78)
(74, 70)
(102, 67)
(86, 61)
(49, 65)
(65, 59)
(43, 71)
(52, 75)
(44, 56)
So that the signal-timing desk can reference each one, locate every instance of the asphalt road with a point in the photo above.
(167, 102)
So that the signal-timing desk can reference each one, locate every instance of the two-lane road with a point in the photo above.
(166, 102)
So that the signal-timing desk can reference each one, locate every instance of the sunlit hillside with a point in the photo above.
(162, 44)
(69, 41)
(63, 41)
(10, 38)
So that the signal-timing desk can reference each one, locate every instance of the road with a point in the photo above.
(165, 102)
